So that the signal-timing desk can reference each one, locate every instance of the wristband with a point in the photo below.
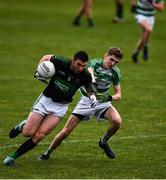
(109, 98)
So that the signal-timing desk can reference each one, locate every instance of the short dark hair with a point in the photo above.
(116, 51)
(82, 55)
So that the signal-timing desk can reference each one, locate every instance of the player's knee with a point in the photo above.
(27, 132)
(149, 30)
(117, 122)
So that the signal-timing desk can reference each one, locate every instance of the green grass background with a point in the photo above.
(31, 29)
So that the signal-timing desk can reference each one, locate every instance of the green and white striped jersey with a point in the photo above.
(104, 77)
(146, 8)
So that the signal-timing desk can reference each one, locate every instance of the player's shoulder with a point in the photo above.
(116, 70)
(60, 62)
(61, 59)
(96, 61)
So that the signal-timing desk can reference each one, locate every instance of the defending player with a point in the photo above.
(104, 74)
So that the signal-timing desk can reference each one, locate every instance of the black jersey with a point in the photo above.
(64, 84)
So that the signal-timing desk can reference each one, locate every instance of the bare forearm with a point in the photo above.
(116, 97)
(45, 58)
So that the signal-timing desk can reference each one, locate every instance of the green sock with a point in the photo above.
(14, 155)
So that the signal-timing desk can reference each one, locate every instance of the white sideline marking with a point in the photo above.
(92, 140)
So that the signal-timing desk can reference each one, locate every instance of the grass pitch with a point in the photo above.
(31, 29)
